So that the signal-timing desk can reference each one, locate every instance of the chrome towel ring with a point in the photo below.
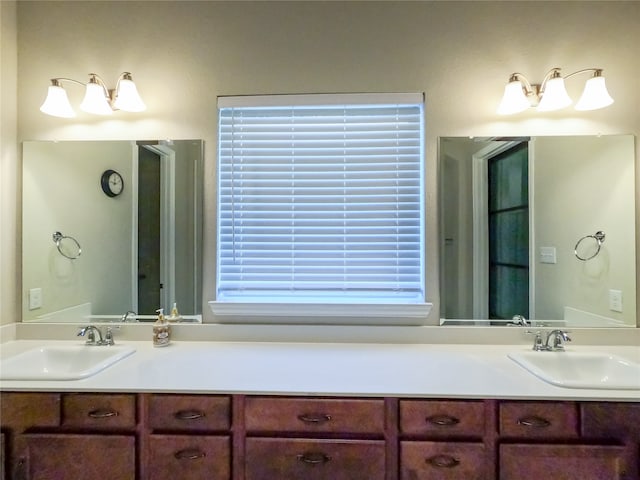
(598, 237)
(71, 245)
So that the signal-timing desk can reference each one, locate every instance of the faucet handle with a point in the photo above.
(537, 340)
(108, 337)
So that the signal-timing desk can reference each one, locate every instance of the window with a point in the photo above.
(320, 203)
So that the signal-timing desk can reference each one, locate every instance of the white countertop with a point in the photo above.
(332, 369)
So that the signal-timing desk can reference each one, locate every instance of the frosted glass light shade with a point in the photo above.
(57, 103)
(128, 98)
(514, 99)
(95, 100)
(555, 96)
(594, 95)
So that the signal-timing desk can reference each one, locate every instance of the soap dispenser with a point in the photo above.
(161, 331)
(175, 316)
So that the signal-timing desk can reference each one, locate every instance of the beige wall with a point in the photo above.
(184, 54)
(9, 164)
(61, 193)
(587, 185)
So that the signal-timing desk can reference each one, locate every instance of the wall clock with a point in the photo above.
(112, 183)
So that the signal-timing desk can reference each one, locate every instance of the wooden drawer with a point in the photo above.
(189, 412)
(275, 458)
(442, 460)
(441, 418)
(538, 419)
(97, 411)
(314, 415)
(196, 456)
(20, 411)
(610, 420)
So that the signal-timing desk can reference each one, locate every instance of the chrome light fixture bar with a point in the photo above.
(551, 94)
(98, 99)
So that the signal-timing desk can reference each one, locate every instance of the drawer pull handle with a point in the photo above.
(102, 413)
(189, 454)
(314, 418)
(442, 420)
(313, 458)
(189, 414)
(534, 422)
(443, 461)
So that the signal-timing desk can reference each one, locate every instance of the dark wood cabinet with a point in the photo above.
(152, 436)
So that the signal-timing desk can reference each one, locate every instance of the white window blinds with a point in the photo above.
(320, 199)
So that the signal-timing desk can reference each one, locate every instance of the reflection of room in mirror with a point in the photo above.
(578, 186)
(62, 191)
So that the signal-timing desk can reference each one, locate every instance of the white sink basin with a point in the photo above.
(581, 369)
(71, 362)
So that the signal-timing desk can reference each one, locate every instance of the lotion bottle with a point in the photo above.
(161, 331)
(175, 316)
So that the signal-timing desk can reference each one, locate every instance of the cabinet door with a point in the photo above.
(442, 461)
(193, 457)
(74, 457)
(306, 459)
(562, 462)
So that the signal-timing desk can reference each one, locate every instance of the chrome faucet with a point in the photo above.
(125, 317)
(92, 330)
(519, 320)
(559, 338)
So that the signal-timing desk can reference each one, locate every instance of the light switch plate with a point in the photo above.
(615, 300)
(548, 255)
(35, 298)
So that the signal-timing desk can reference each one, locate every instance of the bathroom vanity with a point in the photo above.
(227, 410)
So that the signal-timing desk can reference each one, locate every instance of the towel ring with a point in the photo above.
(599, 237)
(59, 237)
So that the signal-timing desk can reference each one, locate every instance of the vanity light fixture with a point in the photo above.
(551, 94)
(98, 99)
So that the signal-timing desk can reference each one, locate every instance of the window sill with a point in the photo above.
(322, 313)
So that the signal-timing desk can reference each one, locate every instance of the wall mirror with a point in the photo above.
(111, 227)
(542, 227)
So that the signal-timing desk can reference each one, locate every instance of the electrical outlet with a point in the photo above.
(615, 300)
(35, 298)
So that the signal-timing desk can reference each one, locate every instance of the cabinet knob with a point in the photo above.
(534, 422)
(313, 458)
(443, 461)
(314, 418)
(442, 420)
(189, 414)
(189, 454)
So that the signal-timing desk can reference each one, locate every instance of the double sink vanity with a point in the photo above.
(229, 409)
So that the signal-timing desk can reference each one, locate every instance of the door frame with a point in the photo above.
(167, 224)
(480, 162)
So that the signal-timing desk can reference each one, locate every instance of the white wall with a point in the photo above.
(62, 192)
(184, 54)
